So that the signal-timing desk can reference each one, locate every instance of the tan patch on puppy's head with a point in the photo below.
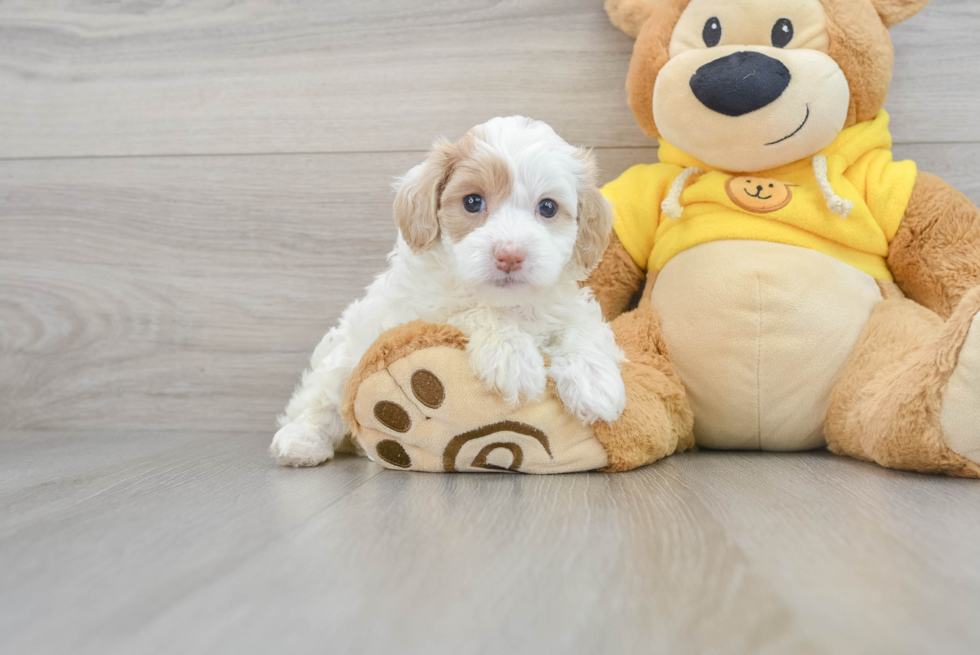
(476, 172)
(430, 198)
(435, 199)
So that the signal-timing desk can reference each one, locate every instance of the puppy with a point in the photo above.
(496, 233)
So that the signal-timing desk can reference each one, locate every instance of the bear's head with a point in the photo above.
(751, 85)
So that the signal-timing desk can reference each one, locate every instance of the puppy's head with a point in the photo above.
(513, 205)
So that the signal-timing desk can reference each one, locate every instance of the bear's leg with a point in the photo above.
(413, 403)
(658, 420)
(910, 396)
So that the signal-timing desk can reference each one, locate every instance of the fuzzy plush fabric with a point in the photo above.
(649, 55)
(415, 404)
(784, 205)
(629, 15)
(890, 404)
(893, 12)
(616, 280)
(397, 343)
(887, 407)
(658, 421)
(861, 46)
(389, 405)
(859, 43)
(935, 256)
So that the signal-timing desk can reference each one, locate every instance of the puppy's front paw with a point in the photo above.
(592, 390)
(511, 366)
(299, 445)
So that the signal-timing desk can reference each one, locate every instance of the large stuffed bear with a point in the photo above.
(800, 289)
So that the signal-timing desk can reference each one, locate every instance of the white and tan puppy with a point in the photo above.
(496, 233)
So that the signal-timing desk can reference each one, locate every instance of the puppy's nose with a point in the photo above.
(740, 83)
(509, 257)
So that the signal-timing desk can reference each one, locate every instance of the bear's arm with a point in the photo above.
(637, 196)
(935, 255)
(616, 280)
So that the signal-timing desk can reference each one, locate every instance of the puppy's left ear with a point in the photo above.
(419, 193)
(595, 218)
(893, 12)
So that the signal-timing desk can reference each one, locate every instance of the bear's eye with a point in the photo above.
(548, 208)
(473, 203)
(782, 33)
(712, 32)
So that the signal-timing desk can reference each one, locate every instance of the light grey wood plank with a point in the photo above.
(247, 76)
(183, 295)
(935, 85)
(170, 293)
(34, 459)
(209, 547)
(195, 279)
(878, 560)
(95, 552)
(86, 78)
(575, 564)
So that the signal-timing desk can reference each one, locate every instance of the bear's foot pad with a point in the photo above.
(428, 411)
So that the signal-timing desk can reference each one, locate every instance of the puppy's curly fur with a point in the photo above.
(497, 231)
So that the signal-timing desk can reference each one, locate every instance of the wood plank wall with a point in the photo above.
(192, 190)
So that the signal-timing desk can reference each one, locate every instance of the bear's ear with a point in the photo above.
(893, 12)
(629, 15)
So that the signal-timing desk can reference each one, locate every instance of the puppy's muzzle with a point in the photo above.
(740, 83)
(509, 258)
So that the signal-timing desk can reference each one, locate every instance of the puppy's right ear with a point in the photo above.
(417, 202)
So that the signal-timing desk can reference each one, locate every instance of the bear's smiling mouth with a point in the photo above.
(757, 195)
(787, 138)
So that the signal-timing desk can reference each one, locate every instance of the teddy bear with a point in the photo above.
(776, 281)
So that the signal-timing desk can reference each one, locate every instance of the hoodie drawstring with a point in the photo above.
(835, 203)
(672, 205)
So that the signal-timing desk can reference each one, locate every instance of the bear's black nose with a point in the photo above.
(740, 83)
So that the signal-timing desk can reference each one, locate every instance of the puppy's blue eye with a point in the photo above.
(474, 204)
(548, 208)
(712, 32)
(782, 33)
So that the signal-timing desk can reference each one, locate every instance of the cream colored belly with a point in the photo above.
(760, 334)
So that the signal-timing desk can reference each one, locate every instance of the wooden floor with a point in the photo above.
(190, 193)
(122, 542)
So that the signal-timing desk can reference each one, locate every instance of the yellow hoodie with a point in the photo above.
(847, 202)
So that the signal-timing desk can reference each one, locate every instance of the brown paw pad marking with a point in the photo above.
(517, 455)
(391, 415)
(480, 461)
(428, 389)
(394, 453)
